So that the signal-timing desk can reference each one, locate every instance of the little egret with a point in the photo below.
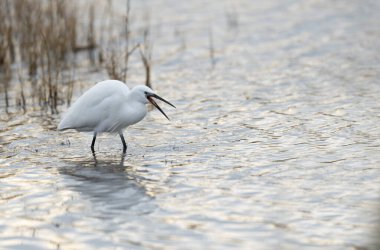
(109, 106)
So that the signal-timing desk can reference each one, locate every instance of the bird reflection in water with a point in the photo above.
(106, 183)
(121, 163)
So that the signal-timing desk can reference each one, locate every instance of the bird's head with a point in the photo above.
(146, 94)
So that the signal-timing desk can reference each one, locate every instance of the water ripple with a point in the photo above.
(277, 145)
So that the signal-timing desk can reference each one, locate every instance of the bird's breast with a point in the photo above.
(134, 114)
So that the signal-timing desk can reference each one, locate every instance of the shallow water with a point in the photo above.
(275, 146)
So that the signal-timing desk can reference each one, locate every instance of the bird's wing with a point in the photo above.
(95, 106)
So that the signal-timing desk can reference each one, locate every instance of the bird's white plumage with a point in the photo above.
(109, 106)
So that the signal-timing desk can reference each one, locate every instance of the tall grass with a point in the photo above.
(211, 48)
(42, 33)
(52, 38)
(146, 49)
(117, 57)
(39, 37)
(38, 46)
(7, 51)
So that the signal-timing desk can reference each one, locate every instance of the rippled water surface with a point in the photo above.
(275, 142)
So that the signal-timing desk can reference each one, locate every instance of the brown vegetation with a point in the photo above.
(39, 36)
(117, 57)
(39, 43)
(146, 49)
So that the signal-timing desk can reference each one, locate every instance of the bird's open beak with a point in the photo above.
(150, 98)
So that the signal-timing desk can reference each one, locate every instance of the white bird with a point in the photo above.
(109, 106)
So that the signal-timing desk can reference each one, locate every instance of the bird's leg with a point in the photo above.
(123, 141)
(93, 143)
(121, 164)
(94, 155)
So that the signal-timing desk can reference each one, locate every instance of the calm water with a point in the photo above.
(275, 142)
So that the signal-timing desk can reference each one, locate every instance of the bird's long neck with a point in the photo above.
(134, 108)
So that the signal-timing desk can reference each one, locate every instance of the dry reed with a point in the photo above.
(211, 48)
(41, 38)
(146, 49)
(45, 34)
(117, 58)
(7, 51)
